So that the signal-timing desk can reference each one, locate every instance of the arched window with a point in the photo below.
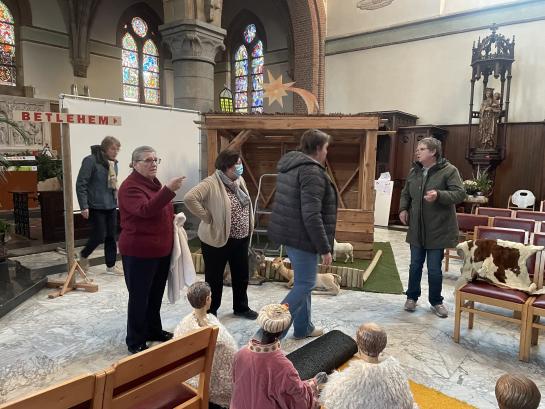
(8, 69)
(140, 63)
(249, 62)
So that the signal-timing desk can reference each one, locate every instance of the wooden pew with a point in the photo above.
(83, 392)
(154, 378)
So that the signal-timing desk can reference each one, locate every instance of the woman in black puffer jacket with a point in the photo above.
(303, 220)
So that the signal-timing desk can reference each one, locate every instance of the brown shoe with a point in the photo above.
(410, 305)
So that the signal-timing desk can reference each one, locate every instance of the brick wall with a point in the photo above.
(308, 18)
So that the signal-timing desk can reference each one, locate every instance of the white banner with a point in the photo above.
(172, 133)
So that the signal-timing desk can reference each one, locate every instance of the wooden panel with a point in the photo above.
(354, 236)
(19, 181)
(355, 215)
(212, 152)
(523, 165)
(367, 171)
(355, 227)
(214, 121)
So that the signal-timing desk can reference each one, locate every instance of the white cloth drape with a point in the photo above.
(182, 271)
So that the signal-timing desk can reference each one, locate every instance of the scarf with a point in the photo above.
(234, 187)
(112, 177)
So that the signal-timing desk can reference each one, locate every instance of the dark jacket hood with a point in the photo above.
(294, 159)
(100, 156)
(441, 163)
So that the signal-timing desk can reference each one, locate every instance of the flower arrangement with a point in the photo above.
(470, 186)
(479, 184)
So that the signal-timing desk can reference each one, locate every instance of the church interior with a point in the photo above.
(432, 124)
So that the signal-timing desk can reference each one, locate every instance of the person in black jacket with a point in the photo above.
(303, 220)
(96, 188)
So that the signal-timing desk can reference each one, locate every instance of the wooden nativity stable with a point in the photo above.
(262, 139)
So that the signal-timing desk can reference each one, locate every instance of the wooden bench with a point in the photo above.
(154, 378)
(83, 392)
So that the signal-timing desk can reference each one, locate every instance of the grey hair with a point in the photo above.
(371, 339)
(138, 152)
(433, 145)
(197, 294)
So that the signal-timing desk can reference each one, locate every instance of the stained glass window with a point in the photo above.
(248, 83)
(7, 47)
(139, 26)
(140, 64)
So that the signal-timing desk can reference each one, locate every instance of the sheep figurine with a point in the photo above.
(343, 248)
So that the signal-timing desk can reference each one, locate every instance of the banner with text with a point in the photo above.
(65, 118)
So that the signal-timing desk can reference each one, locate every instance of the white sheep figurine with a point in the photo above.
(343, 248)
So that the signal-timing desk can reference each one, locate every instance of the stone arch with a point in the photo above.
(308, 23)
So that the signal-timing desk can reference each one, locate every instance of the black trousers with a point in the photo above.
(235, 252)
(103, 229)
(146, 279)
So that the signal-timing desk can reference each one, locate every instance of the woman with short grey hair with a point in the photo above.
(145, 244)
(428, 206)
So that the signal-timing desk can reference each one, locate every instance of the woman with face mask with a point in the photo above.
(222, 203)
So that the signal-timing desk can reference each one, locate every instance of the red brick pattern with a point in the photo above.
(308, 18)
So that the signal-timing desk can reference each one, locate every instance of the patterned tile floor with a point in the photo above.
(46, 341)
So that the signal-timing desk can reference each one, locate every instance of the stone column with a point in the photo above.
(194, 45)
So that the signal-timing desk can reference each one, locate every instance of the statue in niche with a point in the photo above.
(489, 114)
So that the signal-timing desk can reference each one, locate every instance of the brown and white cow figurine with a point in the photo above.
(500, 262)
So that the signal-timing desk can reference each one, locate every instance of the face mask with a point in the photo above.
(239, 169)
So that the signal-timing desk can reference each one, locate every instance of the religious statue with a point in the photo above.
(489, 114)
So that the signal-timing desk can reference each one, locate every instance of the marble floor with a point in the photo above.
(45, 341)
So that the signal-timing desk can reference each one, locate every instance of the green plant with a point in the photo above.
(48, 168)
(4, 227)
(484, 183)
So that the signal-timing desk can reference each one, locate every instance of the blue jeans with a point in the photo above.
(434, 258)
(305, 268)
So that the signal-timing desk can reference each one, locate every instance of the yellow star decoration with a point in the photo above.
(275, 90)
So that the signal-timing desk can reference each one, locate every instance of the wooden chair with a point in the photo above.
(83, 392)
(154, 378)
(536, 309)
(494, 212)
(488, 294)
(466, 227)
(527, 214)
(512, 223)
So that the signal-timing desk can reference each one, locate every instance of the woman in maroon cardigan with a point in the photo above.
(145, 244)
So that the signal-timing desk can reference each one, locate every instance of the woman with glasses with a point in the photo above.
(145, 244)
(428, 206)
(222, 203)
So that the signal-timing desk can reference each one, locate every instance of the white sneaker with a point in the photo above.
(115, 270)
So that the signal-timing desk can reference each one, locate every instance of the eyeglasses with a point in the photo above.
(149, 161)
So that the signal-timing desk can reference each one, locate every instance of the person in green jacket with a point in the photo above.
(428, 206)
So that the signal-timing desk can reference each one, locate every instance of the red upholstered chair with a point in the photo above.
(527, 214)
(155, 378)
(536, 309)
(511, 223)
(83, 392)
(494, 212)
(488, 294)
(466, 227)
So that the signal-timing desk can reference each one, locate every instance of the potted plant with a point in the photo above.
(484, 183)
